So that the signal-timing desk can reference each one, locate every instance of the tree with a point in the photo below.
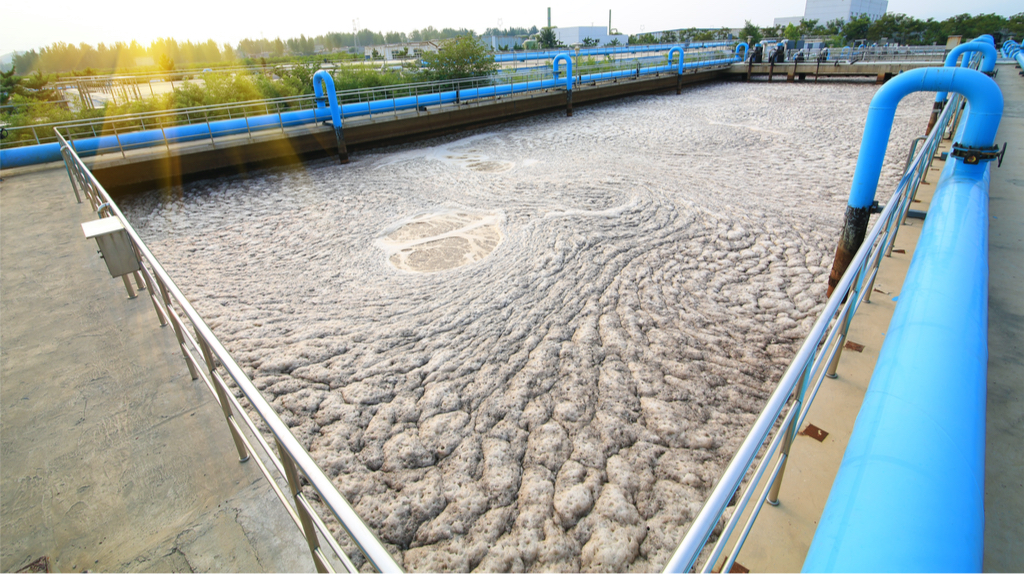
(807, 27)
(461, 57)
(751, 31)
(791, 32)
(589, 42)
(165, 63)
(614, 42)
(548, 39)
(857, 29)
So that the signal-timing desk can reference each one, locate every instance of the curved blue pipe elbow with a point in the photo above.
(564, 57)
(324, 82)
(745, 47)
(676, 50)
(987, 65)
(982, 94)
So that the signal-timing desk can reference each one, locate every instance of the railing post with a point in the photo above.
(791, 431)
(67, 166)
(307, 523)
(176, 324)
(225, 405)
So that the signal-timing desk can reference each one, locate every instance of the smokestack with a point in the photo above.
(609, 22)
(549, 16)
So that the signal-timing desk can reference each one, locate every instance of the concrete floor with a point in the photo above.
(1004, 453)
(111, 457)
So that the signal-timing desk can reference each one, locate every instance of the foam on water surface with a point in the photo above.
(589, 332)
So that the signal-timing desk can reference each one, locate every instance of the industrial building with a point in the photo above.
(827, 10)
(576, 34)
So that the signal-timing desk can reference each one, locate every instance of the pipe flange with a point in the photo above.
(975, 155)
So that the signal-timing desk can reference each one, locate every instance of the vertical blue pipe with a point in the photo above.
(909, 494)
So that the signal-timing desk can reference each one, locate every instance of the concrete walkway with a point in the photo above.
(1004, 453)
(111, 457)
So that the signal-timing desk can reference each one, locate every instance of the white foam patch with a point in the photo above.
(440, 241)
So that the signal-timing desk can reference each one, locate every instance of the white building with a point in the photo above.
(576, 34)
(396, 51)
(826, 10)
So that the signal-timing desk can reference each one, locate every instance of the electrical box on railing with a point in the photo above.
(114, 244)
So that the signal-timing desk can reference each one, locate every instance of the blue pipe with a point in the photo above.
(563, 57)
(883, 108)
(987, 65)
(909, 494)
(745, 47)
(677, 50)
(548, 54)
(31, 155)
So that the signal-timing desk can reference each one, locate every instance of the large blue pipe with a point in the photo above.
(909, 494)
(1012, 49)
(987, 65)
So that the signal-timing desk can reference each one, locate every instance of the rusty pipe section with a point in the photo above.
(986, 104)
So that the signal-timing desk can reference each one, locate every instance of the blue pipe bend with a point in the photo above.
(564, 57)
(987, 65)
(983, 96)
(676, 50)
(745, 47)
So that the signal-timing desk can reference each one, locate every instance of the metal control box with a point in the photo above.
(114, 245)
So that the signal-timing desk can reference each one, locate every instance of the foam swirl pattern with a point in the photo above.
(565, 401)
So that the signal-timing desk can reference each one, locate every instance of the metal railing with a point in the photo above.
(119, 125)
(788, 405)
(288, 467)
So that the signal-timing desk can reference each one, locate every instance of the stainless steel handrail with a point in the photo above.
(207, 359)
(127, 123)
(816, 359)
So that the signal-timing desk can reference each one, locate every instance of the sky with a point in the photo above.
(28, 25)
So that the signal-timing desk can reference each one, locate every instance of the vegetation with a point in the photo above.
(462, 57)
(548, 39)
(900, 28)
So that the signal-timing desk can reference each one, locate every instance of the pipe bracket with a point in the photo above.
(974, 155)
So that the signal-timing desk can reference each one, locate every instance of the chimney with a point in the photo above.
(549, 16)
